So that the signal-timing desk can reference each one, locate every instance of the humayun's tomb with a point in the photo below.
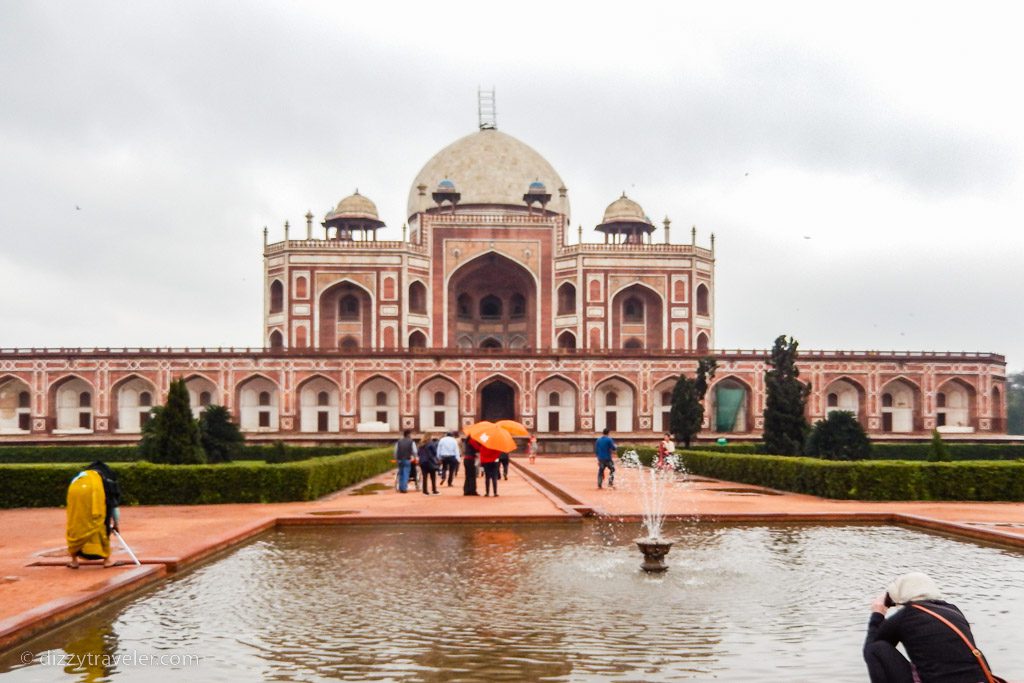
(486, 308)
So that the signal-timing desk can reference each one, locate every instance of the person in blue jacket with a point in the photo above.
(604, 448)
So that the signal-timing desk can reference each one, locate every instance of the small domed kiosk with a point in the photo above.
(353, 214)
(625, 223)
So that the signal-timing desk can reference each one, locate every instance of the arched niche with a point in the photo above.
(346, 317)
(258, 405)
(556, 406)
(613, 406)
(202, 392)
(731, 400)
(15, 406)
(378, 404)
(74, 400)
(637, 318)
(318, 406)
(439, 405)
(900, 406)
(135, 397)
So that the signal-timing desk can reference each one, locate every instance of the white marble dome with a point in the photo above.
(624, 210)
(488, 167)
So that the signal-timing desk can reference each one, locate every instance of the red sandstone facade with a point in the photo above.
(484, 310)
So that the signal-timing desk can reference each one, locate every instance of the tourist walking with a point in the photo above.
(503, 461)
(405, 452)
(469, 454)
(490, 461)
(531, 448)
(448, 452)
(604, 449)
(429, 463)
(665, 448)
(93, 513)
(934, 633)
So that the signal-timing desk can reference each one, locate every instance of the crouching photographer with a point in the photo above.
(934, 633)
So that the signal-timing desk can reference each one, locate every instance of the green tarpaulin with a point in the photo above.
(727, 408)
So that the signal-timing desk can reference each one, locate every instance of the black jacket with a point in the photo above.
(939, 654)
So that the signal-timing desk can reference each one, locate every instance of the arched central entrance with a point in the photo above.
(497, 401)
(492, 303)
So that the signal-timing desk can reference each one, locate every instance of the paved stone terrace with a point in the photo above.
(37, 591)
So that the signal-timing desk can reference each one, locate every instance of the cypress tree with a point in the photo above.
(172, 435)
(220, 437)
(785, 425)
(687, 408)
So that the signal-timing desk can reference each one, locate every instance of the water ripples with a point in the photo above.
(538, 602)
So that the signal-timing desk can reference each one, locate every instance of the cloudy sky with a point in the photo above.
(861, 166)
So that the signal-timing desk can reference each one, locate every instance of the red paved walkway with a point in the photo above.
(36, 590)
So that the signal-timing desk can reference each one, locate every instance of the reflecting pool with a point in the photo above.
(531, 602)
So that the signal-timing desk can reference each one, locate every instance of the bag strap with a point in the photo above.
(971, 646)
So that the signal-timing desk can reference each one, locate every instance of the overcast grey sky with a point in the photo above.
(888, 134)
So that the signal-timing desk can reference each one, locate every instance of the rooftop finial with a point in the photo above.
(487, 109)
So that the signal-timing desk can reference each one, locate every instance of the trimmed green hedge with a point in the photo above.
(866, 479)
(109, 454)
(142, 483)
(900, 451)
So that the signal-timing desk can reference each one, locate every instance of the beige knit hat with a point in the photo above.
(913, 586)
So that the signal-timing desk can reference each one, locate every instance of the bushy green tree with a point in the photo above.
(1015, 403)
(939, 451)
(172, 435)
(785, 425)
(687, 413)
(222, 440)
(839, 437)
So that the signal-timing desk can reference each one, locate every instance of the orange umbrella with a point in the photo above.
(512, 427)
(491, 436)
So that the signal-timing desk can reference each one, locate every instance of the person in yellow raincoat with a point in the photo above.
(93, 507)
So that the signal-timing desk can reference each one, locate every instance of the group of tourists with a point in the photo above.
(435, 457)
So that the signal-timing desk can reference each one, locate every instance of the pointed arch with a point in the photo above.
(318, 400)
(498, 397)
(15, 410)
(614, 404)
(566, 298)
(662, 389)
(276, 296)
(567, 340)
(72, 401)
(418, 297)
(202, 392)
(703, 300)
(437, 414)
(418, 340)
(134, 396)
(637, 316)
(900, 405)
(356, 321)
(847, 394)
(379, 404)
(505, 296)
(956, 406)
(731, 399)
(258, 399)
(557, 399)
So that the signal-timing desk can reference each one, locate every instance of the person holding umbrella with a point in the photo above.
(491, 440)
(469, 454)
(490, 460)
(516, 430)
